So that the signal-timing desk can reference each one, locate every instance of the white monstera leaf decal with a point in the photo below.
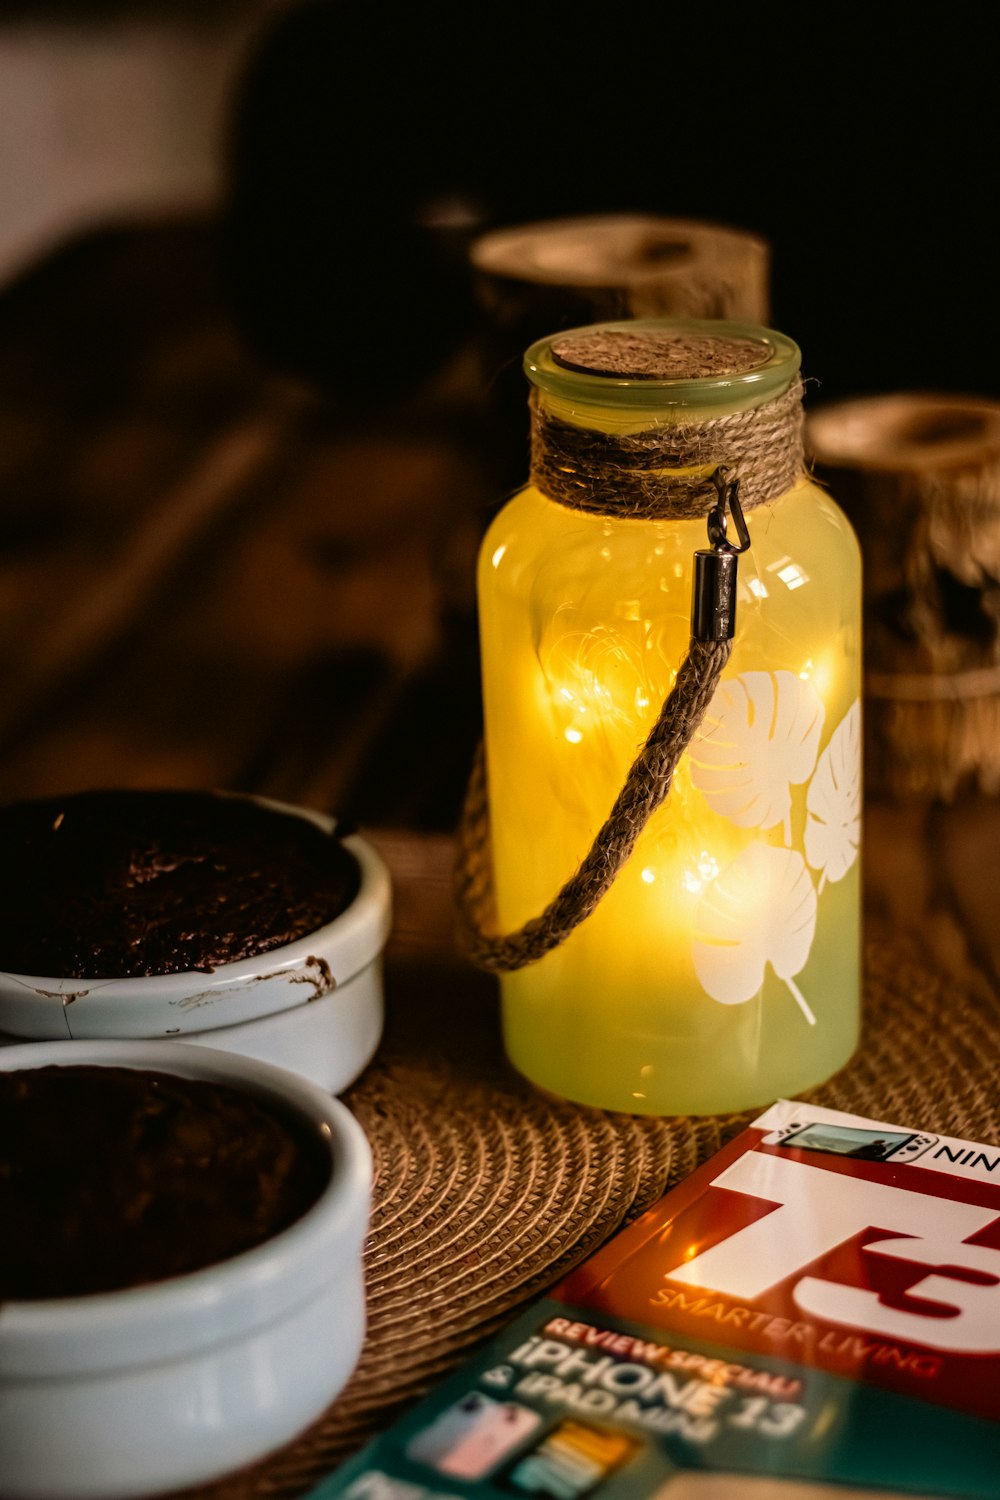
(760, 910)
(759, 738)
(833, 804)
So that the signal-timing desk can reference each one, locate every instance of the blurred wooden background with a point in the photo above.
(247, 435)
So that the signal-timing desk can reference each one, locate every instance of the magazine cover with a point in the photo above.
(815, 1310)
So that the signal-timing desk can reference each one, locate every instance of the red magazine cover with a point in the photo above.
(814, 1312)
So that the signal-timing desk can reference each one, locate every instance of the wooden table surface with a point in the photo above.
(214, 576)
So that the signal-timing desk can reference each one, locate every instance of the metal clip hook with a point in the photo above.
(713, 602)
(728, 492)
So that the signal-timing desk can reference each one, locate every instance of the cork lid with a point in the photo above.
(658, 354)
(650, 363)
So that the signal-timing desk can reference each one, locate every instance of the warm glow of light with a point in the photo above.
(584, 641)
(793, 576)
(706, 869)
(823, 676)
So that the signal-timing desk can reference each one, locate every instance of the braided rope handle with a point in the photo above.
(646, 787)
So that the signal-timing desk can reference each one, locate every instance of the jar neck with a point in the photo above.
(664, 470)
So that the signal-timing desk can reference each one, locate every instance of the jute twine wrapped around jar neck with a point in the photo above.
(645, 475)
(633, 477)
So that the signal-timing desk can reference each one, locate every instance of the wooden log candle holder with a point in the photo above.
(551, 274)
(919, 476)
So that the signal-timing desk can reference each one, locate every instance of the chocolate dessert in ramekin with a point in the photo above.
(223, 920)
(181, 1264)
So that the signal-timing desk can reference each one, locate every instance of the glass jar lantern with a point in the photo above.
(721, 969)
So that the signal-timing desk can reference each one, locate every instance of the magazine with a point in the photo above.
(814, 1312)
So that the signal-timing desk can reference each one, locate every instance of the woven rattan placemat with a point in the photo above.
(486, 1191)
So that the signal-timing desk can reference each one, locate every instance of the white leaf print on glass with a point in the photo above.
(760, 910)
(759, 738)
(833, 803)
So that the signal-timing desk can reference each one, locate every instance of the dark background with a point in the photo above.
(859, 142)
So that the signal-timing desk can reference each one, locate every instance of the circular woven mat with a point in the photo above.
(486, 1192)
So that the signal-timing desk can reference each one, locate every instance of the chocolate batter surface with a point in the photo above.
(109, 884)
(113, 1177)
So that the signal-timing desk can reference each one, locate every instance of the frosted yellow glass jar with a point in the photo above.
(721, 969)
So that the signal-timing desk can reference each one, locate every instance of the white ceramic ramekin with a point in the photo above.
(178, 1382)
(315, 1005)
